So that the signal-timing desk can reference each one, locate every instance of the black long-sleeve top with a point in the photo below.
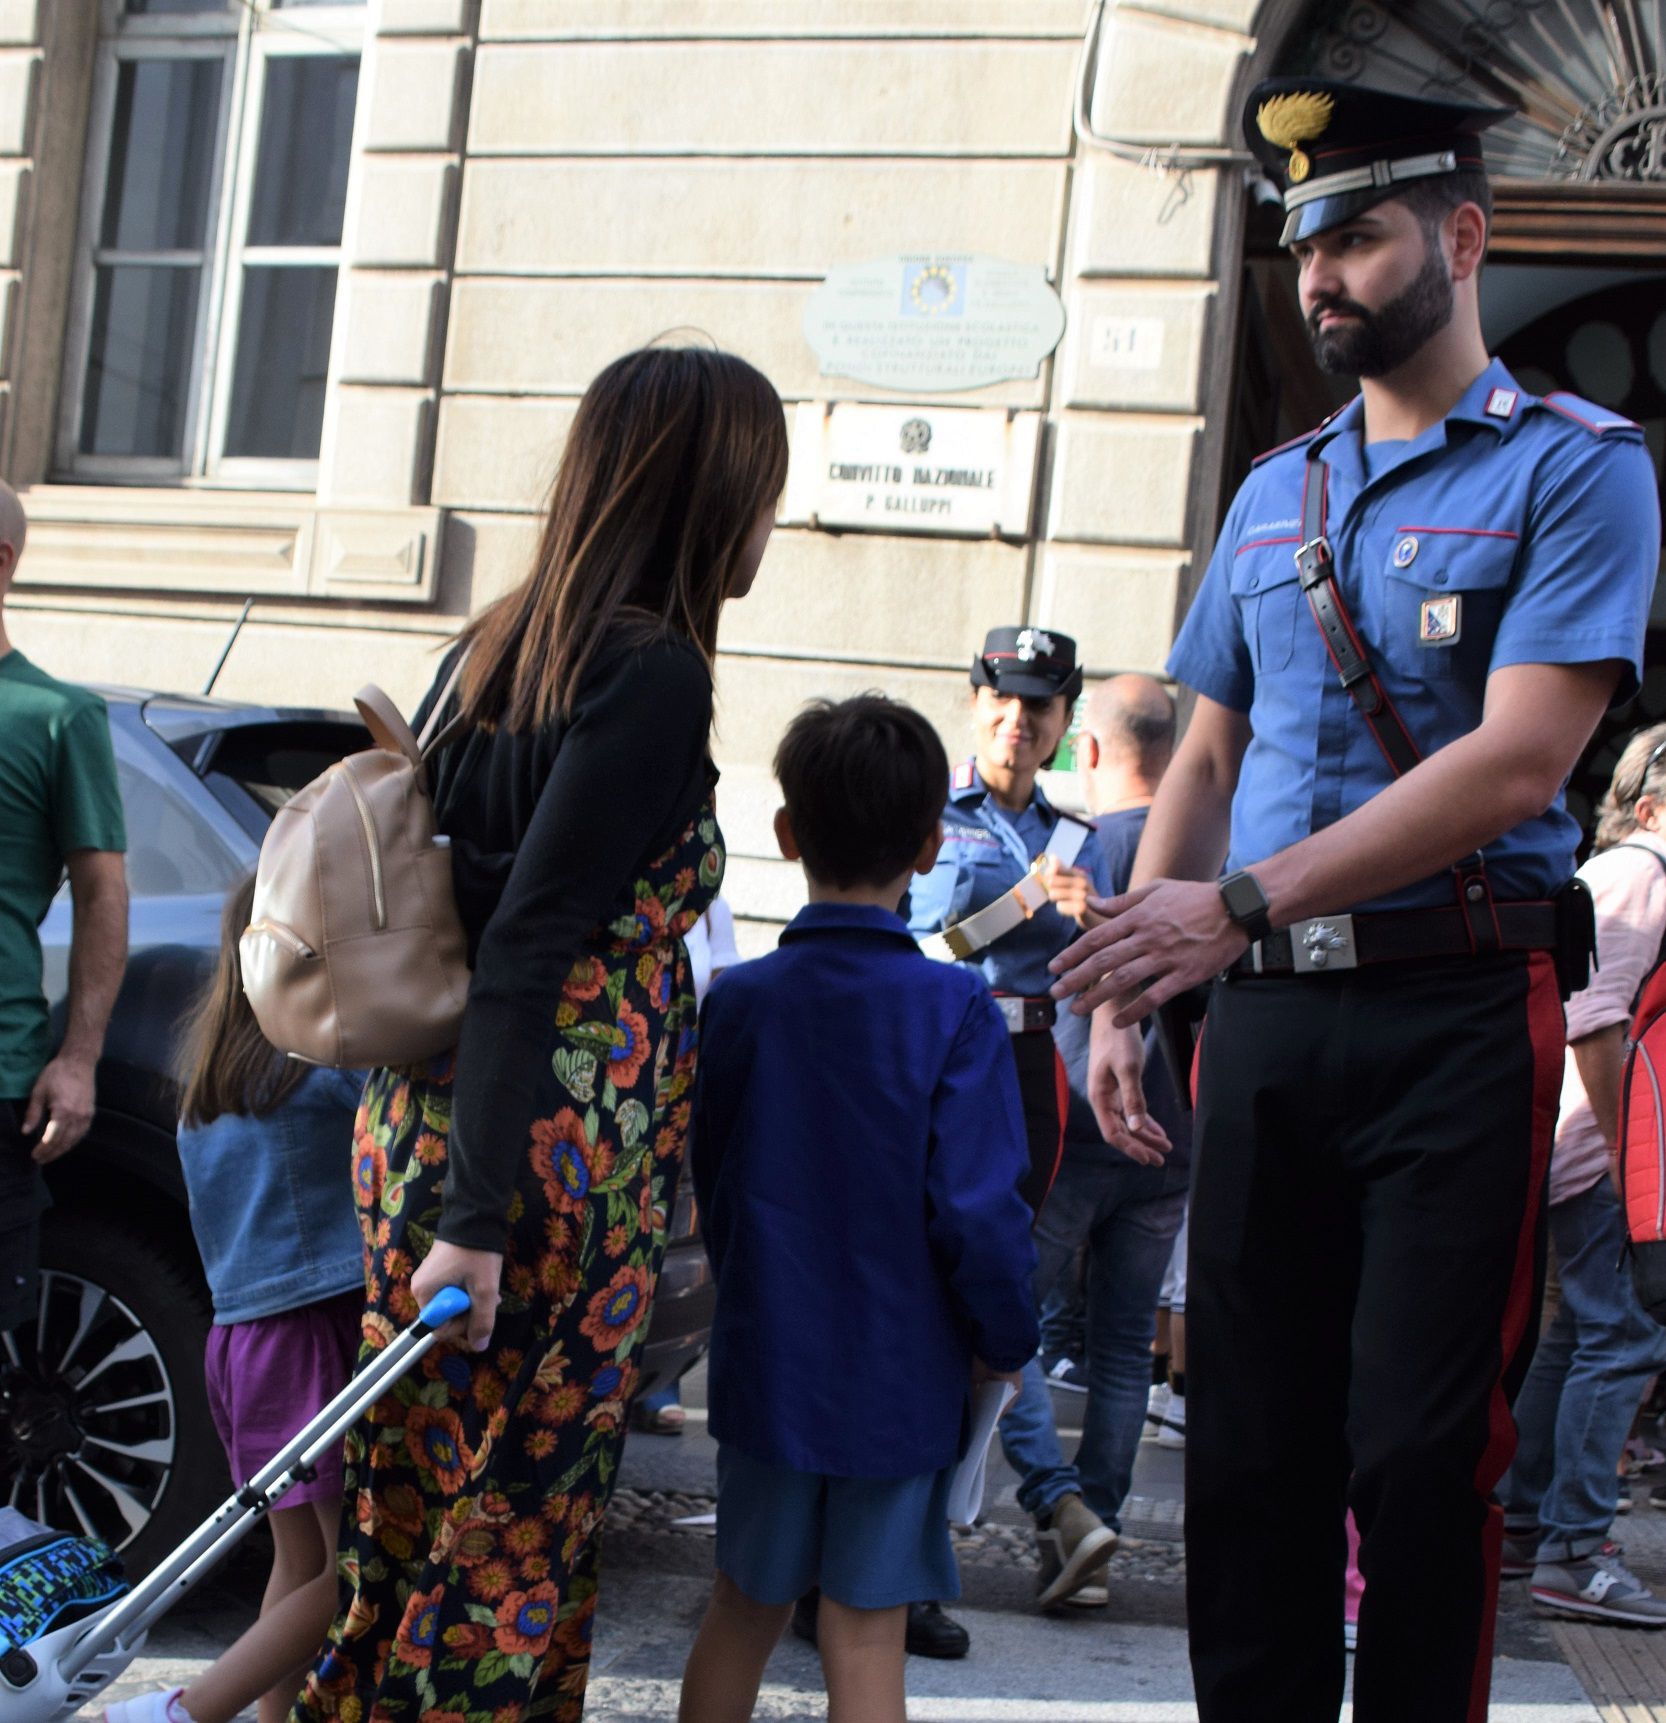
(549, 831)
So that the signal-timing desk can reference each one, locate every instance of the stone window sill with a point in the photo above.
(260, 543)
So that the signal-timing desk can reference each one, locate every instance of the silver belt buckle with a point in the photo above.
(1012, 1009)
(1323, 943)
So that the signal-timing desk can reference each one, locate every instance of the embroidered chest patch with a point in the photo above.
(974, 835)
(1440, 621)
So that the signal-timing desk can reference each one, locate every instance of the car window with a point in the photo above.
(171, 849)
(254, 769)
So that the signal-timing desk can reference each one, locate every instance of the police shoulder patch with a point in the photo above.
(1599, 421)
(1298, 442)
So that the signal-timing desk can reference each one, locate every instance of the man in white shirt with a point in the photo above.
(1576, 1406)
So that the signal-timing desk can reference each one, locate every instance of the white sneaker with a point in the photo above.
(1172, 1432)
(161, 1707)
(1156, 1408)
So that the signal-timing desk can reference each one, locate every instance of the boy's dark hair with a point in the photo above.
(865, 781)
(1432, 200)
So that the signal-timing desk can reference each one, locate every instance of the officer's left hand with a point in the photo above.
(1155, 942)
(1068, 890)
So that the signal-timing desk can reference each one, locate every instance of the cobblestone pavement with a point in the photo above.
(1125, 1663)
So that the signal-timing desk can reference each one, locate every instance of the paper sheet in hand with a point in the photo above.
(989, 1401)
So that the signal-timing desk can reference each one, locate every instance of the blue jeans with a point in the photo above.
(1126, 1215)
(1583, 1388)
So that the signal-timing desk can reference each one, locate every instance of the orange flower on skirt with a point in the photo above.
(617, 1310)
(434, 1440)
(419, 1626)
(526, 1619)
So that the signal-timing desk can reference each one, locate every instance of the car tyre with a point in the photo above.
(107, 1427)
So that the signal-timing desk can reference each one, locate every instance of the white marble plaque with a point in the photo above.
(932, 324)
(956, 470)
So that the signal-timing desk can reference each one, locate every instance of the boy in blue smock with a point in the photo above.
(857, 1147)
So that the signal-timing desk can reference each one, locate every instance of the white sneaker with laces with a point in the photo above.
(1172, 1432)
(1156, 1405)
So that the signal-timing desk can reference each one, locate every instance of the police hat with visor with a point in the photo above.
(1033, 663)
(1336, 149)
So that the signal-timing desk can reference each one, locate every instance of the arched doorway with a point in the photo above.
(1574, 295)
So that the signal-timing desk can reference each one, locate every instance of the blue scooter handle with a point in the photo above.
(448, 1302)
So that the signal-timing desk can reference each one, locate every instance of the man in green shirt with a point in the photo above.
(59, 811)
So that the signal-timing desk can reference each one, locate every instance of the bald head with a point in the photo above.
(1127, 742)
(1133, 715)
(14, 527)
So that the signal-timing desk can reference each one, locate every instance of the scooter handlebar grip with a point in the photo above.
(448, 1302)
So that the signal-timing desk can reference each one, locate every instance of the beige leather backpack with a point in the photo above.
(355, 954)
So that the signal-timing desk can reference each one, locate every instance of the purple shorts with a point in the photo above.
(266, 1378)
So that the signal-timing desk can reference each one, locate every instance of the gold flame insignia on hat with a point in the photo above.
(1291, 120)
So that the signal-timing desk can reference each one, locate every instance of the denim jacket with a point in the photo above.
(272, 1200)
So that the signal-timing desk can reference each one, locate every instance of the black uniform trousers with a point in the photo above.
(1370, 1154)
(1046, 1095)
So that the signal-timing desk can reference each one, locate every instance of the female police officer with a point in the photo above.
(1009, 892)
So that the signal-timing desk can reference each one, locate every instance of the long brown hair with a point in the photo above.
(1639, 771)
(225, 1064)
(673, 455)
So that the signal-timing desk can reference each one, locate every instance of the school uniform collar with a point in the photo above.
(816, 918)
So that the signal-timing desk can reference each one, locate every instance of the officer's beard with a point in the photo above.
(1382, 341)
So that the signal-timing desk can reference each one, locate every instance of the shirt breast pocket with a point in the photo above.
(1266, 586)
(1445, 596)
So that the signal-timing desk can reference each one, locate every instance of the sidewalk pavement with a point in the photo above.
(1124, 1664)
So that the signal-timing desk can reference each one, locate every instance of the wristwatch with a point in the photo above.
(1246, 903)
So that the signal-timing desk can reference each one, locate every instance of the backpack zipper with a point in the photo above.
(372, 849)
(285, 936)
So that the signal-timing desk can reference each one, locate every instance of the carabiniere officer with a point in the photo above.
(1412, 621)
(1010, 888)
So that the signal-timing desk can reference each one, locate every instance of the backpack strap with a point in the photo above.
(387, 727)
(1316, 563)
(1660, 955)
(433, 738)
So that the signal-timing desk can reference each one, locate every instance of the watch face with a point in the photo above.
(1244, 898)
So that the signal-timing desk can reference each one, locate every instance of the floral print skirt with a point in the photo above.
(475, 1488)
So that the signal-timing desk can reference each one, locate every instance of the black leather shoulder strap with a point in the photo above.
(1317, 565)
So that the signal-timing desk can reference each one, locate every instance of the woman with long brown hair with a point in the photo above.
(533, 1166)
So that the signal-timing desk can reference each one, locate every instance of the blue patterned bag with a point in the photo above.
(49, 1579)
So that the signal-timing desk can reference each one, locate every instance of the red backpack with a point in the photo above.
(1642, 1144)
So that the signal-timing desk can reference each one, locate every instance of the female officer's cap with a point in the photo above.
(1337, 148)
(1035, 663)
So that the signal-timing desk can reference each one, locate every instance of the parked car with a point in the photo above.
(105, 1425)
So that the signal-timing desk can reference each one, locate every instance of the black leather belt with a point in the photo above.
(1026, 1016)
(1325, 943)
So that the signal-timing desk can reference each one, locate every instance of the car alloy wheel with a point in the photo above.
(88, 1422)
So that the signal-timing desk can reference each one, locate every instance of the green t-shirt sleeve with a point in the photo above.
(86, 802)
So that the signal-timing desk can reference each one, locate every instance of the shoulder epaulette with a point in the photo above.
(1586, 414)
(1299, 442)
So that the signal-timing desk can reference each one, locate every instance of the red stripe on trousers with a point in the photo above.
(1547, 1035)
(1061, 1088)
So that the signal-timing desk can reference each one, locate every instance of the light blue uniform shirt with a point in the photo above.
(986, 852)
(1539, 517)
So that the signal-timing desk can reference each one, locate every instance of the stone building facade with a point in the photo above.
(507, 194)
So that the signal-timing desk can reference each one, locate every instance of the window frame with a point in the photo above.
(246, 35)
